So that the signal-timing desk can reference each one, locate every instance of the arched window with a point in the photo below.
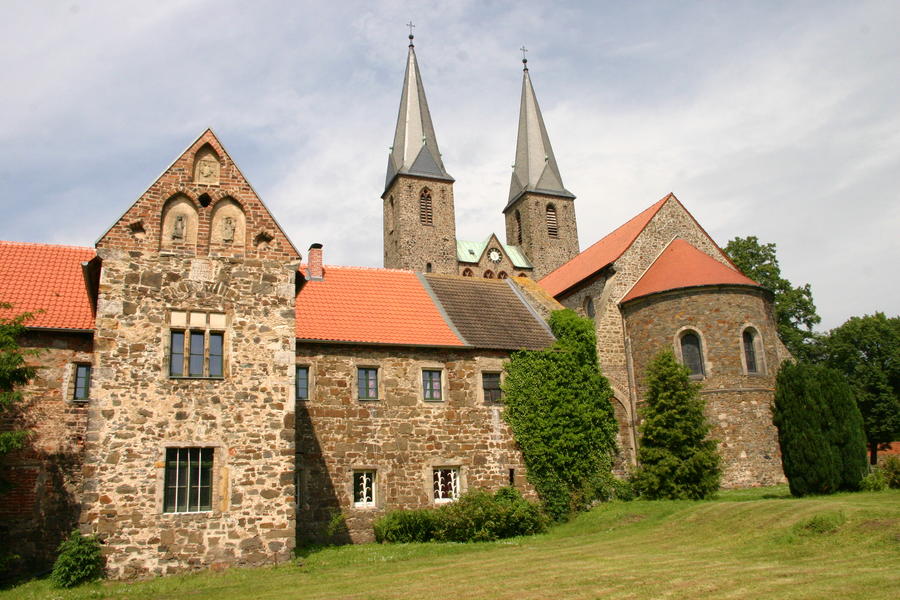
(467, 273)
(521, 275)
(488, 274)
(425, 214)
(552, 224)
(518, 227)
(502, 275)
(749, 340)
(692, 353)
(589, 307)
(428, 267)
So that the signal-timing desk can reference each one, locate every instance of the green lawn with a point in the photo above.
(747, 544)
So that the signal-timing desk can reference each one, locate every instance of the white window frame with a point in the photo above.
(437, 484)
(758, 351)
(369, 478)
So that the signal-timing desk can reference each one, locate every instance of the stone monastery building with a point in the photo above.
(206, 399)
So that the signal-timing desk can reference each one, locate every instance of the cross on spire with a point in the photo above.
(524, 60)
(411, 36)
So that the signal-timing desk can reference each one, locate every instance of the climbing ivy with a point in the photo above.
(558, 407)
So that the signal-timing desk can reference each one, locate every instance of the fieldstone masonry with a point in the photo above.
(411, 244)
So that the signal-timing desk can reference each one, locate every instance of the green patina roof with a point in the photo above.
(470, 252)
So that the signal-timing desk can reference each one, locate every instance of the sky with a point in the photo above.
(779, 120)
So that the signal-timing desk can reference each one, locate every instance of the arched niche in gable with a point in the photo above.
(179, 223)
(207, 166)
(228, 225)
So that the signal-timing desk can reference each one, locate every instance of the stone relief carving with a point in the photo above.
(228, 230)
(228, 224)
(178, 228)
(206, 166)
(179, 222)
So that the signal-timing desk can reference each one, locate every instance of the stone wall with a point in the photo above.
(738, 403)
(400, 436)
(409, 244)
(544, 252)
(139, 410)
(43, 505)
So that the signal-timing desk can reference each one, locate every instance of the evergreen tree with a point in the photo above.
(676, 458)
(14, 373)
(819, 430)
(558, 407)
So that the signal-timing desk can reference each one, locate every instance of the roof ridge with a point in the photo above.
(45, 245)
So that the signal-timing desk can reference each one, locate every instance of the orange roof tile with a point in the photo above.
(682, 265)
(602, 253)
(41, 277)
(385, 306)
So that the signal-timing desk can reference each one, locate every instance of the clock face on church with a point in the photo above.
(494, 255)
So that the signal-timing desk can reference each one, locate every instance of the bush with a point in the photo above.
(403, 526)
(874, 481)
(79, 561)
(820, 430)
(676, 458)
(613, 488)
(477, 516)
(891, 469)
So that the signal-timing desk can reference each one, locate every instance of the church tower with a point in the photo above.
(419, 218)
(540, 214)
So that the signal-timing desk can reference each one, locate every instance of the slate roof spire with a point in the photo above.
(415, 150)
(535, 169)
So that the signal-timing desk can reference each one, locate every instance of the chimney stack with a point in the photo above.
(314, 269)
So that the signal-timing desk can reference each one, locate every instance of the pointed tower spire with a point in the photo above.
(535, 169)
(415, 150)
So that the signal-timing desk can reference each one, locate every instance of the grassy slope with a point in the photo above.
(748, 544)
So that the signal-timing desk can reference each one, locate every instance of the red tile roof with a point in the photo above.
(681, 265)
(385, 306)
(602, 253)
(41, 277)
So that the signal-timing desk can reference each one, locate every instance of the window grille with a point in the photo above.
(426, 216)
(364, 488)
(552, 224)
(188, 480)
(446, 484)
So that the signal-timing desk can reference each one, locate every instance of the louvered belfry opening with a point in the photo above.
(552, 224)
(518, 227)
(426, 215)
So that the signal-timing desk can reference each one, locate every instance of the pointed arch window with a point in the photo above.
(488, 274)
(753, 360)
(518, 227)
(426, 216)
(692, 353)
(467, 273)
(552, 223)
(502, 275)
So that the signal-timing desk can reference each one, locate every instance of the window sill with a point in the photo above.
(444, 500)
(433, 400)
(193, 377)
(190, 512)
(362, 506)
(368, 399)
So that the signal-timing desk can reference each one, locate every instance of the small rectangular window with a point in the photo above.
(195, 361)
(368, 383)
(512, 478)
(490, 383)
(364, 489)
(302, 383)
(215, 354)
(82, 382)
(431, 385)
(446, 484)
(188, 480)
(176, 354)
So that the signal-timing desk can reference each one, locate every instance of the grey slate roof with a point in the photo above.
(489, 313)
(535, 169)
(415, 150)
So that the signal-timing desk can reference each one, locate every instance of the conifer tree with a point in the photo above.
(676, 458)
(14, 373)
(820, 430)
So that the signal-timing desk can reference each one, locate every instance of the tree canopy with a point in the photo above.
(676, 459)
(795, 312)
(14, 373)
(867, 351)
(558, 407)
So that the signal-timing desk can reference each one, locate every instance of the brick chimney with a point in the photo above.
(314, 269)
